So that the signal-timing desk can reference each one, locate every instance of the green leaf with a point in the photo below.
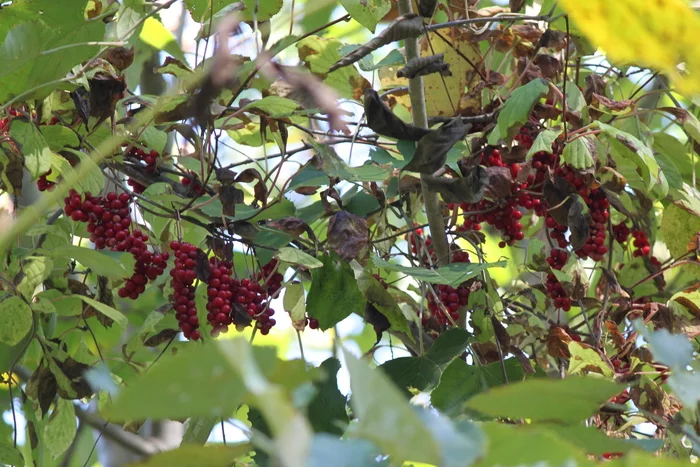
(452, 274)
(585, 360)
(635, 150)
(58, 137)
(377, 295)
(296, 256)
(94, 181)
(36, 269)
(274, 106)
(15, 320)
(155, 34)
(576, 102)
(326, 412)
(294, 301)
(569, 400)
(189, 455)
(98, 262)
(334, 166)
(154, 138)
(519, 106)
(686, 386)
(591, 440)
(37, 155)
(367, 12)
(544, 141)
(674, 350)
(386, 418)
(331, 285)
(10, 455)
(460, 381)
(460, 443)
(107, 310)
(412, 373)
(61, 428)
(451, 344)
(166, 390)
(579, 153)
(329, 451)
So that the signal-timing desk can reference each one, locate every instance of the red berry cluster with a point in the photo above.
(150, 160)
(109, 222)
(445, 303)
(219, 295)
(556, 260)
(641, 244)
(184, 275)
(193, 183)
(43, 183)
(621, 232)
(599, 209)
(272, 280)
(415, 242)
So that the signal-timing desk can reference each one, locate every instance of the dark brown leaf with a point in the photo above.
(348, 236)
(307, 190)
(549, 66)
(260, 193)
(248, 175)
(239, 316)
(599, 101)
(516, 5)
(331, 193)
(166, 335)
(121, 58)
(75, 370)
(552, 39)
(379, 322)
(467, 189)
(202, 267)
(426, 8)
(105, 92)
(557, 192)
(579, 222)
(225, 176)
(403, 27)
(81, 99)
(230, 196)
(221, 248)
(431, 151)
(422, 66)
(595, 84)
(500, 182)
(615, 334)
(558, 342)
(42, 387)
(292, 225)
(105, 296)
(383, 121)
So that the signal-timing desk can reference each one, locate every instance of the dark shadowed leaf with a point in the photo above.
(42, 387)
(332, 285)
(348, 235)
(579, 221)
(467, 189)
(326, 411)
(165, 335)
(105, 91)
(383, 303)
(383, 121)
(403, 27)
(81, 99)
(120, 58)
(379, 322)
(230, 196)
(431, 151)
(422, 66)
(558, 194)
(426, 8)
(500, 182)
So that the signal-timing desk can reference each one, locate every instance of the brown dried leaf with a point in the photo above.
(379, 322)
(348, 236)
(105, 92)
(558, 194)
(579, 222)
(230, 196)
(612, 106)
(558, 342)
(431, 151)
(422, 66)
(202, 267)
(516, 5)
(166, 335)
(120, 58)
(615, 334)
(549, 66)
(552, 39)
(75, 370)
(383, 121)
(225, 176)
(467, 189)
(500, 182)
(42, 387)
(292, 225)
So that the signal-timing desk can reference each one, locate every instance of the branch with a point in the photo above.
(491, 19)
(420, 119)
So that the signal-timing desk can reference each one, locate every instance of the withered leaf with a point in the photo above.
(500, 182)
(379, 322)
(165, 335)
(121, 58)
(467, 189)
(221, 248)
(579, 222)
(230, 196)
(409, 184)
(42, 387)
(431, 151)
(549, 66)
(422, 66)
(552, 39)
(105, 92)
(291, 225)
(557, 192)
(602, 103)
(244, 229)
(383, 121)
(81, 99)
(426, 8)
(615, 334)
(225, 176)
(104, 295)
(595, 84)
(333, 194)
(202, 267)
(516, 5)
(401, 28)
(75, 370)
(239, 316)
(558, 342)
(12, 173)
(260, 193)
(348, 235)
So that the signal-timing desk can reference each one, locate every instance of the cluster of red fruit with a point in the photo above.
(150, 161)
(194, 184)
(184, 275)
(109, 225)
(556, 260)
(44, 184)
(5, 122)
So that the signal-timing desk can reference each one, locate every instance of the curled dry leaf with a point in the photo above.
(166, 335)
(202, 267)
(467, 189)
(230, 196)
(422, 66)
(426, 8)
(431, 151)
(402, 28)
(558, 194)
(615, 334)
(383, 121)
(379, 322)
(552, 39)
(291, 225)
(606, 105)
(549, 66)
(558, 342)
(500, 182)
(348, 236)
(225, 176)
(579, 222)
(105, 92)
(120, 58)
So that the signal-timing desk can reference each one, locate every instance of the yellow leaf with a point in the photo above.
(659, 34)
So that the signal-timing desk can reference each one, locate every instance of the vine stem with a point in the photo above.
(420, 119)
